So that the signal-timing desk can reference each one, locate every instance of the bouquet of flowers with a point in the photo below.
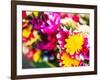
(56, 39)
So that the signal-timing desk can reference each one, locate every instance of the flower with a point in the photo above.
(30, 37)
(46, 22)
(37, 56)
(35, 13)
(84, 29)
(67, 61)
(74, 17)
(27, 31)
(29, 53)
(24, 14)
(33, 55)
(69, 23)
(74, 43)
(46, 46)
(61, 36)
(51, 36)
(48, 42)
(52, 24)
(85, 49)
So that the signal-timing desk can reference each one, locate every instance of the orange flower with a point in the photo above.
(67, 61)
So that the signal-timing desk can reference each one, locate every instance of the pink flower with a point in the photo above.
(52, 24)
(48, 42)
(61, 36)
(74, 17)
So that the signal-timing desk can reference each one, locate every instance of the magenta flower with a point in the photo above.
(47, 22)
(85, 49)
(47, 43)
(52, 24)
(61, 36)
(55, 36)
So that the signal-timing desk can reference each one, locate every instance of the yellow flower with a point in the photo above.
(67, 61)
(27, 31)
(37, 56)
(74, 43)
(33, 39)
(35, 13)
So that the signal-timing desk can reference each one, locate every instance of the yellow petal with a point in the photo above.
(35, 13)
(74, 43)
(68, 61)
(26, 32)
(37, 56)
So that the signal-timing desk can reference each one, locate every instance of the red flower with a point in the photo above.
(75, 18)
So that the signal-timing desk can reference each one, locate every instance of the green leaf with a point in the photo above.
(45, 64)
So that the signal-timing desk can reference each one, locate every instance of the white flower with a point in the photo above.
(28, 12)
(84, 28)
(69, 22)
(25, 50)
